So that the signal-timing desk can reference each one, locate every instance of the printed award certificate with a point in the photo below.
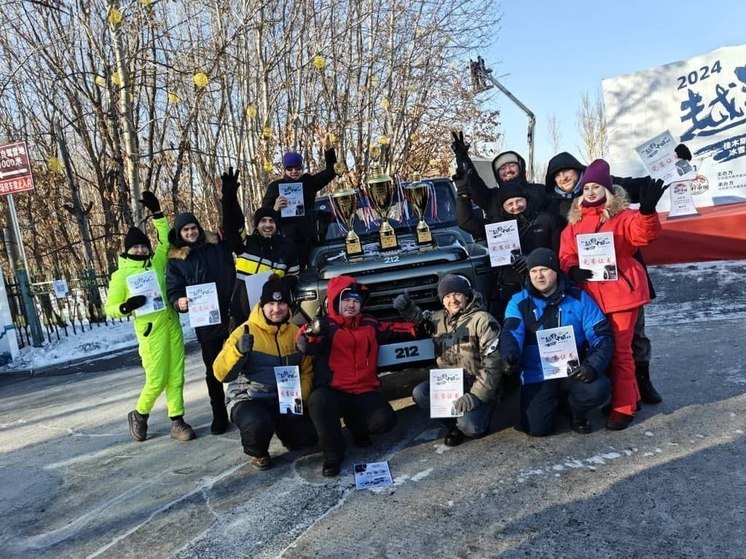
(446, 386)
(204, 309)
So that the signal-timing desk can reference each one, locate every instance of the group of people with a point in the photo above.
(489, 336)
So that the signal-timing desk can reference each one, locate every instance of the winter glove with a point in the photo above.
(583, 373)
(511, 365)
(150, 201)
(245, 342)
(578, 274)
(230, 183)
(315, 329)
(134, 302)
(466, 403)
(649, 196)
(519, 265)
(682, 152)
(459, 147)
(463, 189)
(404, 304)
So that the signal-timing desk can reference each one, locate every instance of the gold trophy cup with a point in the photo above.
(381, 193)
(345, 204)
(418, 196)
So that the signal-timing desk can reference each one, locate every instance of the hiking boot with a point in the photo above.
(261, 462)
(648, 393)
(454, 437)
(330, 468)
(581, 425)
(182, 431)
(138, 425)
(618, 421)
(219, 425)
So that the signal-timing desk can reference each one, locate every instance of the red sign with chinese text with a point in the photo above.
(15, 170)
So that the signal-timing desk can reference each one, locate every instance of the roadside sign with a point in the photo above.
(15, 169)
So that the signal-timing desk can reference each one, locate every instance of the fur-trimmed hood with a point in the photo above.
(616, 202)
(182, 252)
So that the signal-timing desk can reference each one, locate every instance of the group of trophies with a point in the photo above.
(381, 190)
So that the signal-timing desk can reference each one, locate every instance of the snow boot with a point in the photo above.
(181, 431)
(138, 425)
(648, 393)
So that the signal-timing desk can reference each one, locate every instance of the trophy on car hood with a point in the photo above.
(418, 196)
(345, 204)
(381, 194)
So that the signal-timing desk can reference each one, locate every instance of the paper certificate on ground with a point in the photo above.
(660, 159)
(288, 390)
(372, 474)
(682, 202)
(146, 284)
(60, 288)
(446, 386)
(254, 284)
(556, 349)
(204, 309)
(596, 253)
(503, 242)
(293, 193)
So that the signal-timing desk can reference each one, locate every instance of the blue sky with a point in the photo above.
(549, 53)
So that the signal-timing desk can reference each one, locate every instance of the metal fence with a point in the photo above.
(81, 310)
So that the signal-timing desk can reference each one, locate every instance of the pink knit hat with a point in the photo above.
(597, 172)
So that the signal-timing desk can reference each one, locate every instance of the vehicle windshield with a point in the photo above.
(439, 212)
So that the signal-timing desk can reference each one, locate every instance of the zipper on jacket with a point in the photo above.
(629, 283)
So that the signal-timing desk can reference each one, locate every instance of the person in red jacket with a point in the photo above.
(344, 346)
(602, 208)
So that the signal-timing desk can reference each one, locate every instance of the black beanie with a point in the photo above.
(135, 236)
(266, 212)
(510, 189)
(276, 289)
(184, 219)
(454, 283)
(542, 257)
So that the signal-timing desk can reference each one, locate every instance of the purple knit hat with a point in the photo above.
(597, 172)
(292, 159)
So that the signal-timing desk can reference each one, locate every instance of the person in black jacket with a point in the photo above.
(301, 229)
(536, 229)
(197, 256)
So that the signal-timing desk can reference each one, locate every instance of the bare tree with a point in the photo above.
(592, 127)
(553, 128)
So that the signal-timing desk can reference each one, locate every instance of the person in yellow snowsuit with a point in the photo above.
(159, 335)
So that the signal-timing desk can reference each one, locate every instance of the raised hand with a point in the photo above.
(245, 342)
(650, 194)
(230, 182)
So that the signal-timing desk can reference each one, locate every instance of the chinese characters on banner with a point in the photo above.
(596, 253)
(446, 386)
(204, 309)
(15, 169)
(503, 242)
(288, 390)
(556, 349)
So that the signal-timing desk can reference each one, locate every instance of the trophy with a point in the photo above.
(345, 204)
(381, 194)
(418, 196)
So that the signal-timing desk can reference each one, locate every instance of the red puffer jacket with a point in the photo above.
(631, 230)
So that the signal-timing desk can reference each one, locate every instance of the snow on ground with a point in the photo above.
(691, 292)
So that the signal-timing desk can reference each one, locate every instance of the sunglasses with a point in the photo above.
(293, 168)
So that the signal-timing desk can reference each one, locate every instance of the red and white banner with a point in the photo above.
(15, 169)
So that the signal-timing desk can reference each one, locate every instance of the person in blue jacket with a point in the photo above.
(550, 300)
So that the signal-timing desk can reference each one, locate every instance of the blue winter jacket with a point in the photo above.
(568, 306)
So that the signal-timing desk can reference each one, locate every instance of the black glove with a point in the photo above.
(404, 304)
(519, 265)
(150, 201)
(466, 403)
(459, 147)
(245, 342)
(134, 302)
(682, 152)
(511, 365)
(463, 188)
(650, 194)
(578, 274)
(230, 183)
(583, 373)
(316, 328)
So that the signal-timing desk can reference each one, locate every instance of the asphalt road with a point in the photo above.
(672, 485)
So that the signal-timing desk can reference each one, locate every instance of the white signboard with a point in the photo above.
(254, 284)
(446, 386)
(60, 288)
(288, 390)
(659, 157)
(8, 340)
(503, 242)
(204, 309)
(702, 101)
(556, 349)
(146, 284)
(293, 193)
(372, 474)
(596, 253)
